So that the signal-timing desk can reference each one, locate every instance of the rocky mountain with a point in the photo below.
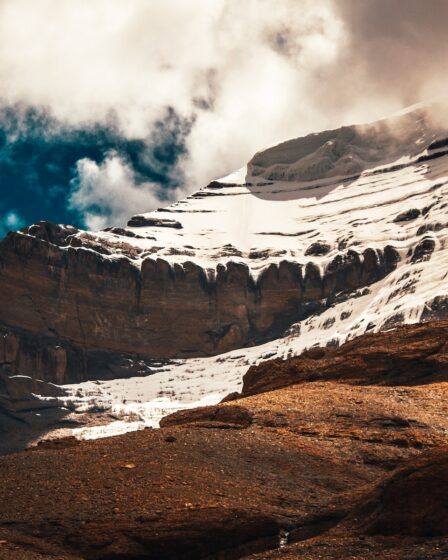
(349, 464)
(307, 293)
(316, 241)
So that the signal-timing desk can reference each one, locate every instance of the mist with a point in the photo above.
(244, 74)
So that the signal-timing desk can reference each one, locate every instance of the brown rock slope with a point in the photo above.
(76, 308)
(342, 467)
(409, 355)
(405, 517)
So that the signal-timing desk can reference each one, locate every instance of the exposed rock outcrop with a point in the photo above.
(73, 305)
(404, 517)
(141, 220)
(325, 469)
(409, 355)
(423, 250)
(53, 359)
(225, 417)
(407, 215)
(317, 249)
(28, 408)
(412, 502)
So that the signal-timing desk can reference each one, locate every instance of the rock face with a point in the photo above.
(317, 249)
(410, 355)
(225, 417)
(143, 221)
(412, 502)
(57, 360)
(70, 313)
(340, 467)
(408, 215)
(404, 517)
(28, 408)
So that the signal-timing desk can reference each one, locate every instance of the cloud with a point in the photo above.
(243, 73)
(108, 193)
(39, 156)
(10, 221)
(393, 51)
(238, 70)
(399, 46)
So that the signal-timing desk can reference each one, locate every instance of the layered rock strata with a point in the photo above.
(28, 409)
(71, 313)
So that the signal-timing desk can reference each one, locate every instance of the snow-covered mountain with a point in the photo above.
(317, 240)
(318, 188)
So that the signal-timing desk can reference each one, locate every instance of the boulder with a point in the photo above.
(144, 221)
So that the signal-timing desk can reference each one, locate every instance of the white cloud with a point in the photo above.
(251, 61)
(108, 194)
(83, 59)
(10, 221)
(250, 72)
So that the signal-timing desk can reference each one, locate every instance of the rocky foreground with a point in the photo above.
(339, 453)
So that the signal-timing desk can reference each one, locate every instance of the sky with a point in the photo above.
(113, 107)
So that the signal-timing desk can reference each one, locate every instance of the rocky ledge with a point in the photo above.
(28, 408)
(78, 310)
(410, 355)
(350, 464)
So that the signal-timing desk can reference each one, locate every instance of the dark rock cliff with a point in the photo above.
(75, 313)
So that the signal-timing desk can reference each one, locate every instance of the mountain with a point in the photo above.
(285, 329)
(317, 240)
(352, 464)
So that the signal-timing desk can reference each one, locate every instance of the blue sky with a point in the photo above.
(39, 156)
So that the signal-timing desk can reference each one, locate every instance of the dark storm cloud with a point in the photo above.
(399, 46)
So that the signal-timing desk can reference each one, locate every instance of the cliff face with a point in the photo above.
(28, 409)
(295, 238)
(70, 313)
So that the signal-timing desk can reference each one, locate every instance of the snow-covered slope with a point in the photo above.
(271, 210)
(311, 198)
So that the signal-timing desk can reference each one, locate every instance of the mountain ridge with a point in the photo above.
(248, 262)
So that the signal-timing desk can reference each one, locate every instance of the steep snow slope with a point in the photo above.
(351, 189)
(262, 214)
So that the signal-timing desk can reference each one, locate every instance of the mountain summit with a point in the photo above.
(316, 241)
